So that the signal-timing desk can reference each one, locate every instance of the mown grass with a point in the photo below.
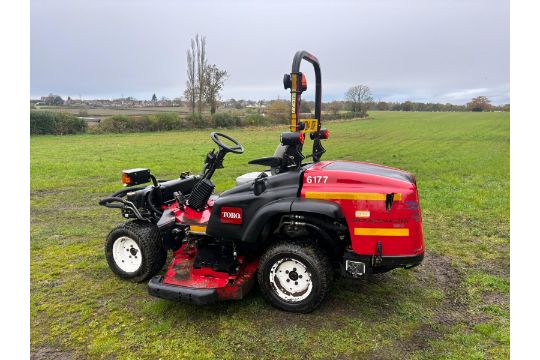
(454, 306)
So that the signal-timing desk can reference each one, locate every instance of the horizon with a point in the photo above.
(253, 100)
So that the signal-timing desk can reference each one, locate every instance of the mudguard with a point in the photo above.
(263, 215)
(285, 207)
(280, 191)
(319, 207)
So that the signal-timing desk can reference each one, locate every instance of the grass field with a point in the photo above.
(454, 306)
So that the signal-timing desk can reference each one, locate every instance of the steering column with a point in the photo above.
(205, 187)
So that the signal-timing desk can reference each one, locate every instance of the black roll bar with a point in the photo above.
(295, 83)
(304, 55)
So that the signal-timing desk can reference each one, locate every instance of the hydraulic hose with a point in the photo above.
(107, 202)
(151, 204)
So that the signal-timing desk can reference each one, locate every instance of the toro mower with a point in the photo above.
(292, 226)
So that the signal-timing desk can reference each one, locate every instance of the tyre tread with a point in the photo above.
(320, 263)
(149, 240)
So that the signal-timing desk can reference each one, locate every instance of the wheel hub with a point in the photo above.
(126, 254)
(291, 280)
(293, 275)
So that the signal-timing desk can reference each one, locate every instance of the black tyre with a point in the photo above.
(134, 251)
(295, 276)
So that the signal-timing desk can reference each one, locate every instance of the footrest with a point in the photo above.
(157, 288)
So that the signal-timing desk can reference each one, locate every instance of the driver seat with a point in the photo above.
(284, 156)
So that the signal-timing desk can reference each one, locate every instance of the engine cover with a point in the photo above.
(380, 204)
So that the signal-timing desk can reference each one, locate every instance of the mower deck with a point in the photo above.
(204, 285)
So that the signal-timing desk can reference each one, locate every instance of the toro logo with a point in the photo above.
(231, 215)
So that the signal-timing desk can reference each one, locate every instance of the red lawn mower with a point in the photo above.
(292, 226)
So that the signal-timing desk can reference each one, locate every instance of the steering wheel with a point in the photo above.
(236, 149)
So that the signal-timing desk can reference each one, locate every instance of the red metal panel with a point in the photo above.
(236, 286)
(362, 198)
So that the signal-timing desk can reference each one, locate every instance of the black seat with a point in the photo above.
(285, 157)
(271, 161)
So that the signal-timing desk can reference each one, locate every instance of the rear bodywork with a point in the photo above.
(381, 207)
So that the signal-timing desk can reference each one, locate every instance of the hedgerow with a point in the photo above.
(44, 122)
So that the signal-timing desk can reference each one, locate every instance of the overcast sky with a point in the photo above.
(422, 50)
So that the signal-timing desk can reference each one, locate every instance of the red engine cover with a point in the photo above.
(365, 192)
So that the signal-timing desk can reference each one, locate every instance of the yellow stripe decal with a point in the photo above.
(348, 196)
(381, 232)
(196, 228)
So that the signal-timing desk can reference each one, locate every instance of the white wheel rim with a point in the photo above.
(291, 280)
(127, 254)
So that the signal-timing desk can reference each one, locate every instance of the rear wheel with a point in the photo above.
(134, 251)
(295, 276)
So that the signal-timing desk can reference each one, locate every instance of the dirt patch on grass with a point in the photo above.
(438, 272)
(48, 353)
(500, 267)
(497, 298)
(45, 192)
(456, 307)
(449, 280)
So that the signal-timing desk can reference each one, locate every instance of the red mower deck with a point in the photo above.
(204, 285)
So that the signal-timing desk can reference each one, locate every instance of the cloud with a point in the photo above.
(499, 95)
(427, 49)
(464, 94)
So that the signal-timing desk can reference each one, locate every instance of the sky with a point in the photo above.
(418, 50)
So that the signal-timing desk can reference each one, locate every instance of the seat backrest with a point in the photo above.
(280, 151)
(289, 155)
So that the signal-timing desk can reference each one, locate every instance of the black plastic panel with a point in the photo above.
(282, 187)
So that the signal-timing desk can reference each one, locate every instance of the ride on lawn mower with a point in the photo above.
(292, 226)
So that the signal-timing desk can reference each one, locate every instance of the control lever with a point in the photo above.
(259, 185)
(180, 199)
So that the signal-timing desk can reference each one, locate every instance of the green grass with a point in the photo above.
(454, 306)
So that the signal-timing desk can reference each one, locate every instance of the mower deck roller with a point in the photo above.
(292, 227)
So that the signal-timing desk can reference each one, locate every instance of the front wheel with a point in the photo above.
(134, 251)
(295, 276)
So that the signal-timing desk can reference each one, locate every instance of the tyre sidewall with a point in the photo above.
(300, 306)
(115, 234)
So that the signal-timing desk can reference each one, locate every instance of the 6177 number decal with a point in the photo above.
(318, 179)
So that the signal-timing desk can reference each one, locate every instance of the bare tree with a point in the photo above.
(191, 87)
(334, 107)
(215, 79)
(279, 111)
(204, 82)
(480, 103)
(200, 43)
(360, 97)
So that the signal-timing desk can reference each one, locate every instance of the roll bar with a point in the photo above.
(304, 55)
(295, 82)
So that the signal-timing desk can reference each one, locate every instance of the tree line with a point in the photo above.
(359, 100)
